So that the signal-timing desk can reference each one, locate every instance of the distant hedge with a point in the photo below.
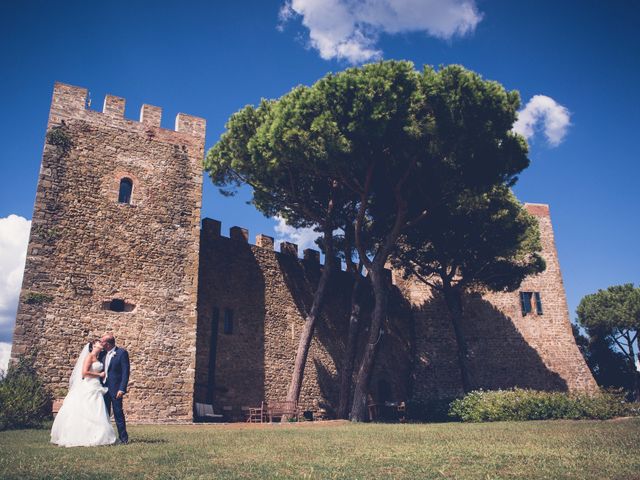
(520, 404)
(23, 399)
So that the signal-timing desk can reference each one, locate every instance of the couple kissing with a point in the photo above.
(97, 386)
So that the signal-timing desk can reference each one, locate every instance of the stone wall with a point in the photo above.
(506, 348)
(86, 249)
(268, 293)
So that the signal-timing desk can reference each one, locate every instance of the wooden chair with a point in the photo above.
(281, 409)
(402, 412)
(256, 414)
(205, 412)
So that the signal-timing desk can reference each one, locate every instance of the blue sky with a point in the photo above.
(211, 58)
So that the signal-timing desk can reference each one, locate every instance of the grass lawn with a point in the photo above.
(549, 449)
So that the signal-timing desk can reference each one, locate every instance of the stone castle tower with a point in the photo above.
(116, 245)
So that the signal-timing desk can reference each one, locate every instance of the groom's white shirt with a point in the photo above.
(107, 361)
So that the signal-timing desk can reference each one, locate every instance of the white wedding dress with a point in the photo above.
(82, 420)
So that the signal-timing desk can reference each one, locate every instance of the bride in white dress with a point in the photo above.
(82, 420)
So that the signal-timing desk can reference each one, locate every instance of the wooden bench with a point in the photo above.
(282, 409)
(388, 411)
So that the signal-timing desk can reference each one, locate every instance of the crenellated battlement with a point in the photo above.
(70, 102)
(212, 229)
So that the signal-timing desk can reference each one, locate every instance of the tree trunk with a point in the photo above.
(453, 299)
(307, 332)
(359, 406)
(346, 372)
(636, 374)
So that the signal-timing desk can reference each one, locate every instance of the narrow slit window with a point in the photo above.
(228, 321)
(538, 301)
(525, 302)
(126, 188)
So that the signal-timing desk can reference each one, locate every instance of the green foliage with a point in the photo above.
(374, 150)
(46, 234)
(613, 316)
(476, 241)
(614, 309)
(632, 409)
(23, 399)
(450, 129)
(37, 298)
(521, 404)
(609, 366)
(59, 136)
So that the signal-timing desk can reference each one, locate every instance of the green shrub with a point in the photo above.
(519, 404)
(37, 298)
(632, 409)
(59, 137)
(23, 399)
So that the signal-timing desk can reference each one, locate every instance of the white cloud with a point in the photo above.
(546, 112)
(349, 29)
(303, 237)
(5, 353)
(14, 237)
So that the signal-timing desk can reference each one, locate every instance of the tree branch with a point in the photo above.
(364, 200)
(424, 279)
(620, 346)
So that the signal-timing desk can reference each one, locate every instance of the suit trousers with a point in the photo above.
(118, 415)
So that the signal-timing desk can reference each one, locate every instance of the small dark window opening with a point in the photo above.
(126, 187)
(536, 296)
(116, 305)
(228, 321)
(527, 302)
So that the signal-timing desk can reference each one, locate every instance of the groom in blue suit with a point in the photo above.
(116, 366)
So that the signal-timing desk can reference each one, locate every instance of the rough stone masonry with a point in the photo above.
(117, 245)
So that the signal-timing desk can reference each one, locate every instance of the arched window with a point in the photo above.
(126, 187)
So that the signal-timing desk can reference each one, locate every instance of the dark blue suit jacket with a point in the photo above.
(118, 373)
